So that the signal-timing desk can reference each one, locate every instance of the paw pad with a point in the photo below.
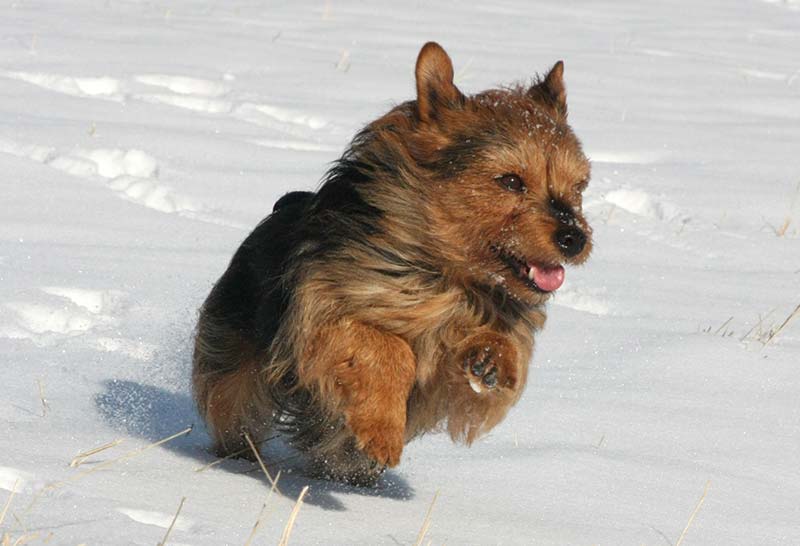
(482, 373)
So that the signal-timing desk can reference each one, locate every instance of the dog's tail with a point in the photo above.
(292, 198)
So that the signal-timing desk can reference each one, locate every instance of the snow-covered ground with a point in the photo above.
(139, 141)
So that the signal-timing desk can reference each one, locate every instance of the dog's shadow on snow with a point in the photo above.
(153, 413)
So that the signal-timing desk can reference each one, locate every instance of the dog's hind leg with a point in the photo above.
(366, 375)
(229, 389)
(234, 408)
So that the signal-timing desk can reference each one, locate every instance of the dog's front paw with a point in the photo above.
(490, 364)
(380, 440)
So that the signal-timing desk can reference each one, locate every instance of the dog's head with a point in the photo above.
(504, 179)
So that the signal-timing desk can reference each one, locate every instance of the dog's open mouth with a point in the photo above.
(538, 277)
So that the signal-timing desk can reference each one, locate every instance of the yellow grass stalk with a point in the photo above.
(694, 513)
(171, 525)
(262, 514)
(80, 458)
(8, 502)
(427, 522)
(287, 531)
(261, 462)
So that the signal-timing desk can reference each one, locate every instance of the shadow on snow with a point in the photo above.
(154, 413)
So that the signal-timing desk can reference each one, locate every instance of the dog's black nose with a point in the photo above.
(570, 241)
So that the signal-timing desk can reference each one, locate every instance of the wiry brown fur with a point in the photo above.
(392, 278)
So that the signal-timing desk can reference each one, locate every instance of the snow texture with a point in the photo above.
(140, 141)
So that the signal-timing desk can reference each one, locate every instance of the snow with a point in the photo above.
(140, 141)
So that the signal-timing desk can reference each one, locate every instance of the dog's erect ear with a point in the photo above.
(552, 89)
(435, 88)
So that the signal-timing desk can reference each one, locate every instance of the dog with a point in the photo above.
(402, 297)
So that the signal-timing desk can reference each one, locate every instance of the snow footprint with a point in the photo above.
(581, 299)
(102, 87)
(34, 318)
(628, 158)
(158, 519)
(643, 204)
(94, 301)
(194, 94)
(189, 93)
(40, 154)
(286, 120)
(185, 85)
(131, 173)
(665, 220)
(12, 479)
(54, 318)
(758, 74)
(294, 145)
(137, 350)
(72, 312)
(207, 96)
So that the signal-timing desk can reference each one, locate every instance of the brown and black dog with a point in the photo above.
(402, 296)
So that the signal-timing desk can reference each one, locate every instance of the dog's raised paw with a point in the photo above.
(488, 366)
(481, 371)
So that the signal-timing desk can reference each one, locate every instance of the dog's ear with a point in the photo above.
(435, 88)
(552, 90)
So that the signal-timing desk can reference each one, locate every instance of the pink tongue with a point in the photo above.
(547, 278)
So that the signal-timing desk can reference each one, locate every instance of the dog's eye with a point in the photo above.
(511, 182)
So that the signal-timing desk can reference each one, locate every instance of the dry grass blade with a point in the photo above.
(756, 325)
(783, 324)
(287, 531)
(427, 522)
(45, 405)
(694, 513)
(277, 462)
(261, 514)
(80, 458)
(111, 462)
(221, 460)
(781, 231)
(231, 455)
(261, 462)
(24, 539)
(8, 502)
(171, 525)
(724, 324)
